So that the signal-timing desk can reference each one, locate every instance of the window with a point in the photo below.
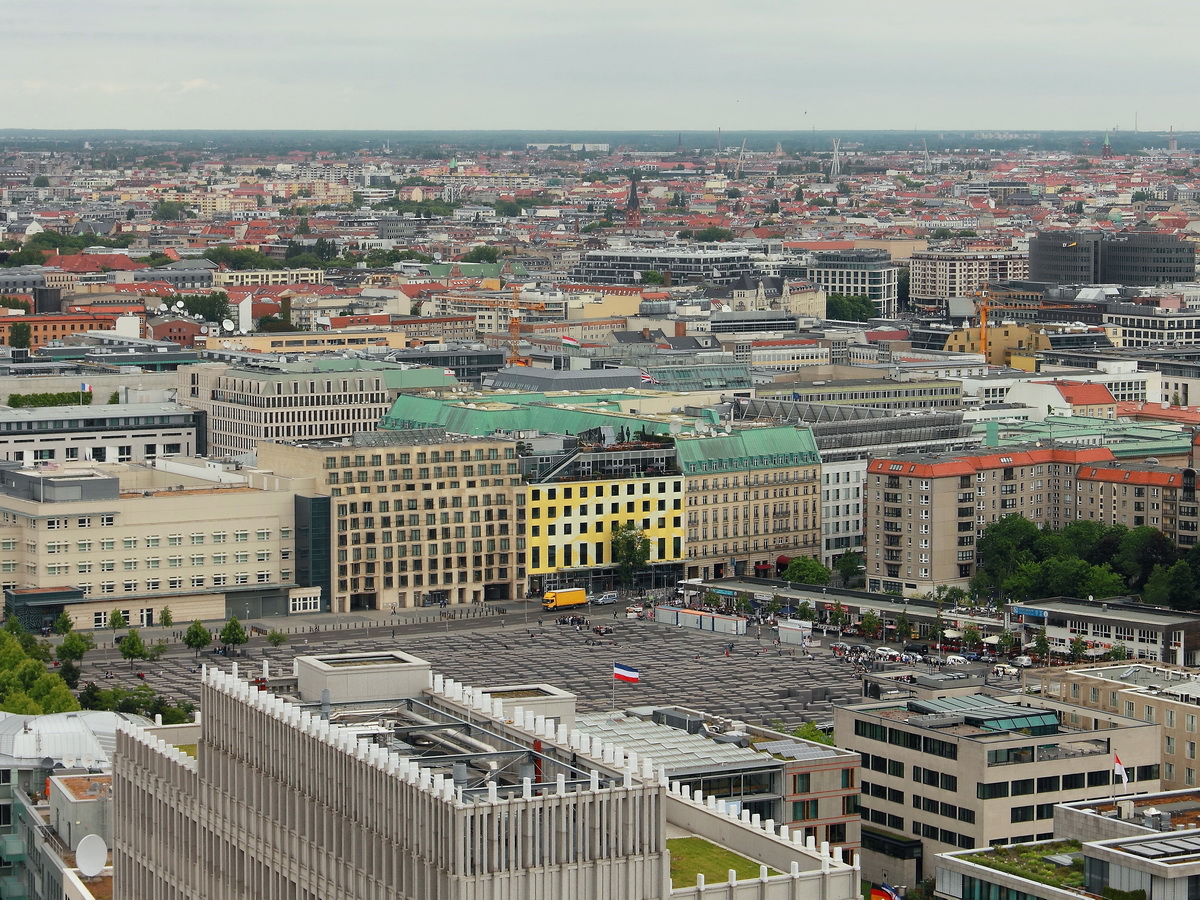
(804, 809)
(197, 537)
(218, 537)
(241, 536)
(197, 581)
(100, 620)
(174, 540)
(263, 534)
(107, 521)
(264, 577)
(991, 791)
(803, 783)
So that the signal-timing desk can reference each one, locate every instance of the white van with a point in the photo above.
(1023, 662)
(606, 599)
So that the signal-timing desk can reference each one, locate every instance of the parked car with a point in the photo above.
(1023, 662)
(922, 649)
(1002, 669)
(841, 646)
(606, 599)
(955, 660)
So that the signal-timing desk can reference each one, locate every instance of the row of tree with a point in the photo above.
(1017, 559)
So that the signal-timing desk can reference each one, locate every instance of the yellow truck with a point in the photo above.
(565, 599)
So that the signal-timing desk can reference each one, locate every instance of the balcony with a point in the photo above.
(889, 497)
(892, 512)
(12, 848)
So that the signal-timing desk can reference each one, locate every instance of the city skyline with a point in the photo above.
(527, 65)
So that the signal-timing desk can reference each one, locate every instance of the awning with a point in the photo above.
(992, 639)
(761, 566)
(783, 560)
(951, 633)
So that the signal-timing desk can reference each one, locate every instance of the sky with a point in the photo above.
(659, 65)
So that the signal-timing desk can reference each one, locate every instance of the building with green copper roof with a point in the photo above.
(1126, 440)
(747, 449)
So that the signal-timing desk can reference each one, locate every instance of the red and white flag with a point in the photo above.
(1119, 770)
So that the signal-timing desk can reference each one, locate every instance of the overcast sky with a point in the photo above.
(607, 64)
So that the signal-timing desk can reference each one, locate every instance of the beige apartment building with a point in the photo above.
(281, 401)
(96, 538)
(937, 275)
(946, 769)
(752, 498)
(417, 518)
(1163, 694)
(262, 277)
(924, 512)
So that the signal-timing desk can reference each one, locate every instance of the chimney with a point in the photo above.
(681, 329)
(646, 334)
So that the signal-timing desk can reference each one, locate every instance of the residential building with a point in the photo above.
(117, 432)
(967, 769)
(1062, 397)
(298, 342)
(1165, 693)
(416, 518)
(752, 497)
(925, 511)
(937, 275)
(883, 393)
(439, 788)
(1129, 257)
(245, 405)
(43, 329)
(262, 277)
(92, 539)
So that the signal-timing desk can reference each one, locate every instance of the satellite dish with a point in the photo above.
(92, 855)
(227, 324)
(69, 761)
(47, 762)
(226, 344)
(179, 304)
(437, 257)
(162, 307)
(204, 329)
(88, 760)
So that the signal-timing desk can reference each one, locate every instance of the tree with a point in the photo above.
(1008, 642)
(714, 234)
(116, 619)
(213, 306)
(168, 210)
(508, 209)
(233, 634)
(62, 623)
(114, 397)
(41, 181)
(970, 636)
(805, 611)
(20, 335)
(903, 627)
(133, 647)
(1140, 197)
(870, 623)
(848, 566)
(1005, 545)
(630, 552)
(480, 255)
(810, 732)
(276, 638)
(806, 570)
(1077, 649)
(650, 276)
(74, 646)
(845, 308)
(1118, 652)
(838, 616)
(70, 673)
(302, 227)
(166, 618)
(197, 637)
(155, 651)
(1041, 645)
(1140, 551)
(1174, 587)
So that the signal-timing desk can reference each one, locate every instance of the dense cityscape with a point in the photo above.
(599, 515)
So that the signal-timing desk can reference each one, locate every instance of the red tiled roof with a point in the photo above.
(1082, 393)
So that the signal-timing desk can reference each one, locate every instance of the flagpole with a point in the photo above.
(614, 687)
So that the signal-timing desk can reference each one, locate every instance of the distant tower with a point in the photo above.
(679, 145)
(835, 168)
(927, 165)
(633, 214)
(1106, 153)
(1172, 142)
(779, 154)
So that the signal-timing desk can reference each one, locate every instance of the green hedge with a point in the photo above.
(60, 398)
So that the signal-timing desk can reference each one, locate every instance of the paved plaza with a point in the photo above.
(754, 682)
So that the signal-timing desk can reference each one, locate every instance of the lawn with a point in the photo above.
(694, 856)
(189, 749)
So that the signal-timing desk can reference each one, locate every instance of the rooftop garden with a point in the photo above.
(1030, 861)
(692, 856)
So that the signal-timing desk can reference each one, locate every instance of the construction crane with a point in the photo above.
(982, 305)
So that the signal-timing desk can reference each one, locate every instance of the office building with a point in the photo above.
(415, 518)
(705, 263)
(320, 400)
(966, 769)
(96, 538)
(1127, 257)
(118, 432)
(1139, 844)
(376, 779)
(937, 275)
(853, 273)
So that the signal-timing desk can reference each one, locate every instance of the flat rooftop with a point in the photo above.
(679, 751)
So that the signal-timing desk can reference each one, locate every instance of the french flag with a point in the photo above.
(624, 673)
(84, 387)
